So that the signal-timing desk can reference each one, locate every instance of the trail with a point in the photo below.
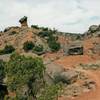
(93, 95)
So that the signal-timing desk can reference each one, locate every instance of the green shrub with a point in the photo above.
(45, 28)
(38, 49)
(3, 92)
(2, 76)
(28, 45)
(1, 52)
(2, 72)
(78, 37)
(35, 26)
(44, 34)
(12, 33)
(24, 74)
(8, 49)
(51, 92)
(52, 38)
(54, 46)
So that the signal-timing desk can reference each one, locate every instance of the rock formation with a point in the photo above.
(75, 48)
(23, 21)
(94, 31)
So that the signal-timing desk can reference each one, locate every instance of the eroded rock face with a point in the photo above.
(23, 22)
(75, 48)
(76, 51)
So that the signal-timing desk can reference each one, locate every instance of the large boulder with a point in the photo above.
(75, 48)
(56, 73)
(51, 70)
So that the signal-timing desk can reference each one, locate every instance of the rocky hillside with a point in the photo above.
(43, 39)
(46, 42)
(71, 59)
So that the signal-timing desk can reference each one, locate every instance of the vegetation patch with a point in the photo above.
(51, 92)
(23, 76)
(28, 45)
(7, 50)
(51, 40)
(54, 46)
(25, 79)
(12, 33)
(38, 49)
(2, 72)
(35, 26)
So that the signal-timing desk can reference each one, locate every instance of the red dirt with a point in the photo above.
(71, 61)
(92, 95)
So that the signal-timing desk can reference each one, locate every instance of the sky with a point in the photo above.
(64, 15)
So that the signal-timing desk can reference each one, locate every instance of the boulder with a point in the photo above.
(57, 73)
(75, 51)
(70, 76)
(51, 70)
(75, 48)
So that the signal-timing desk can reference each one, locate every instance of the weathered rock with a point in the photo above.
(23, 22)
(75, 48)
(76, 51)
(70, 76)
(51, 70)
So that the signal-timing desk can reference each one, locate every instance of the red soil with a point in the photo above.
(71, 61)
(93, 95)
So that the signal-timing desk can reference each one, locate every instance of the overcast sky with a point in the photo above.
(64, 15)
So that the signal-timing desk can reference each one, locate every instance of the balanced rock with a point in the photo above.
(23, 22)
